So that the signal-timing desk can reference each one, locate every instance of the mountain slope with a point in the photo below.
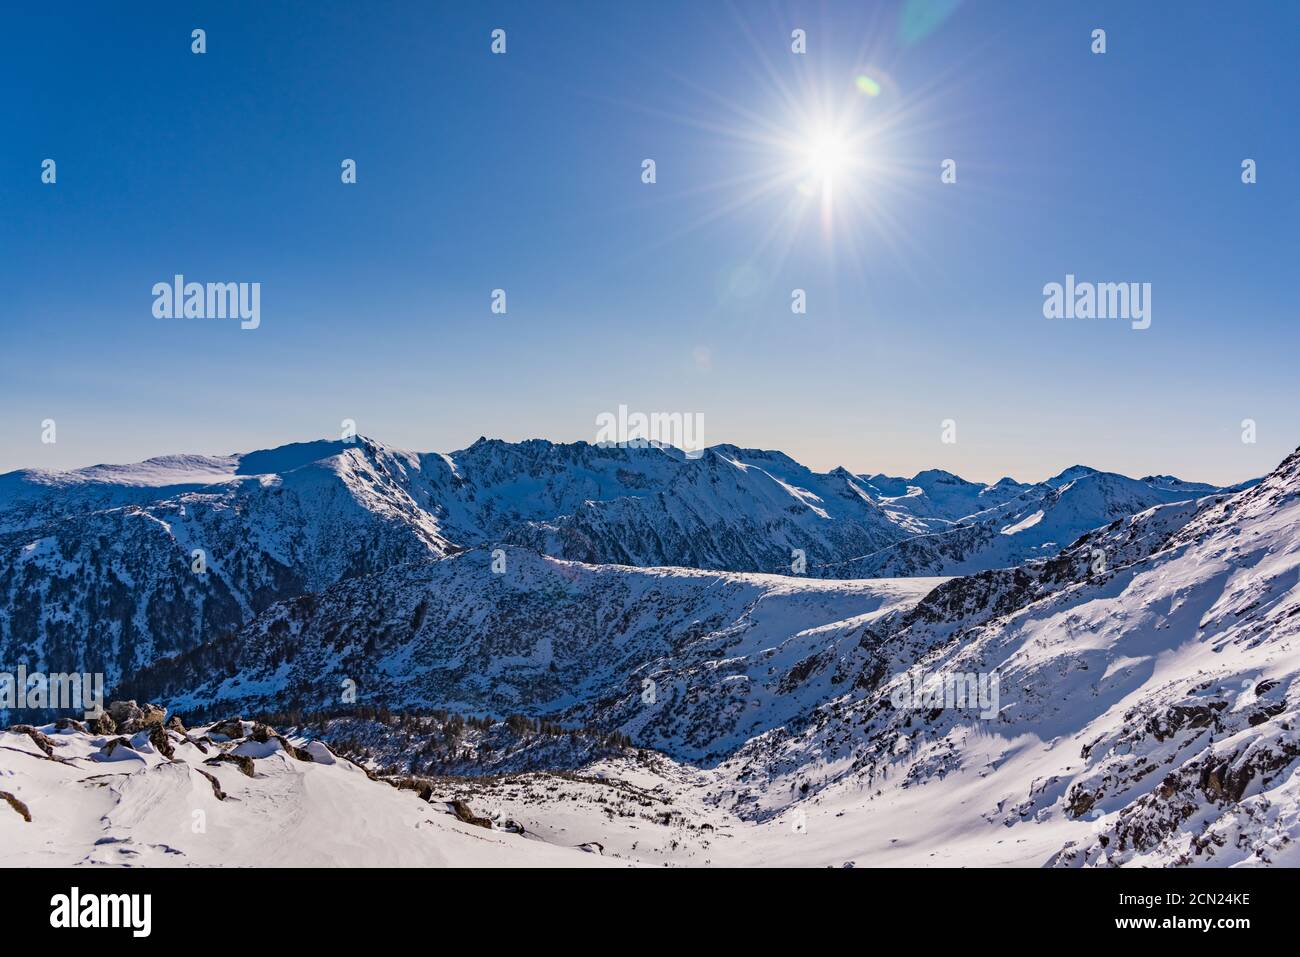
(723, 512)
(547, 637)
(1147, 712)
(1147, 678)
(99, 571)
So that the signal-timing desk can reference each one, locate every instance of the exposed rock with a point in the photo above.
(161, 741)
(243, 761)
(130, 717)
(104, 724)
(41, 740)
(216, 785)
(123, 712)
(110, 749)
(463, 813)
(230, 728)
(1079, 802)
(420, 786)
(17, 805)
(264, 734)
(299, 754)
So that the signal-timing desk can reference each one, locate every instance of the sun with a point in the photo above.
(827, 158)
(826, 154)
(823, 152)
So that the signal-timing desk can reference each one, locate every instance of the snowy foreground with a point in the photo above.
(136, 807)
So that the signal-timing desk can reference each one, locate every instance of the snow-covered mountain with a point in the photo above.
(1038, 521)
(1147, 683)
(937, 498)
(729, 509)
(109, 567)
(1143, 711)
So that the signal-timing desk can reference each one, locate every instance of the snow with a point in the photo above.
(157, 812)
(1028, 522)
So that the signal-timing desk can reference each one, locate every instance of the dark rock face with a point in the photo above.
(216, 785)
(1214, 785)
(124, 712)
(101, 577)
(232, 728)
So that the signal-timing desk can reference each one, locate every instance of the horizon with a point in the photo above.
(781, 176)
(816, 468)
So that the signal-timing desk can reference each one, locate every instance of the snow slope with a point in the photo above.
(1147, 715)
(140, 807)
(938, 498)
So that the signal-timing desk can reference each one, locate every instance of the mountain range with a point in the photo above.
(97, 566)
(1140, 636)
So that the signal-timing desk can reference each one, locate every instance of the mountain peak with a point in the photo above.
(1071, 474)
(938, 476)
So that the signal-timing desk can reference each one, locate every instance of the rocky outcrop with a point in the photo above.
(216, 785)
(17, 805)
(39, 738)
(241, 761)
(463, 813)
(129, 717)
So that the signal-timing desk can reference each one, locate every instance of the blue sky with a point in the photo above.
(523, 172)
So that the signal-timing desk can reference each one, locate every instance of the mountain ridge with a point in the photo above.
(97, 565)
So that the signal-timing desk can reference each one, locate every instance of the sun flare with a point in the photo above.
(826, 155)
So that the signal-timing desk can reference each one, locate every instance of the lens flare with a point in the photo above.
(867, 85)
